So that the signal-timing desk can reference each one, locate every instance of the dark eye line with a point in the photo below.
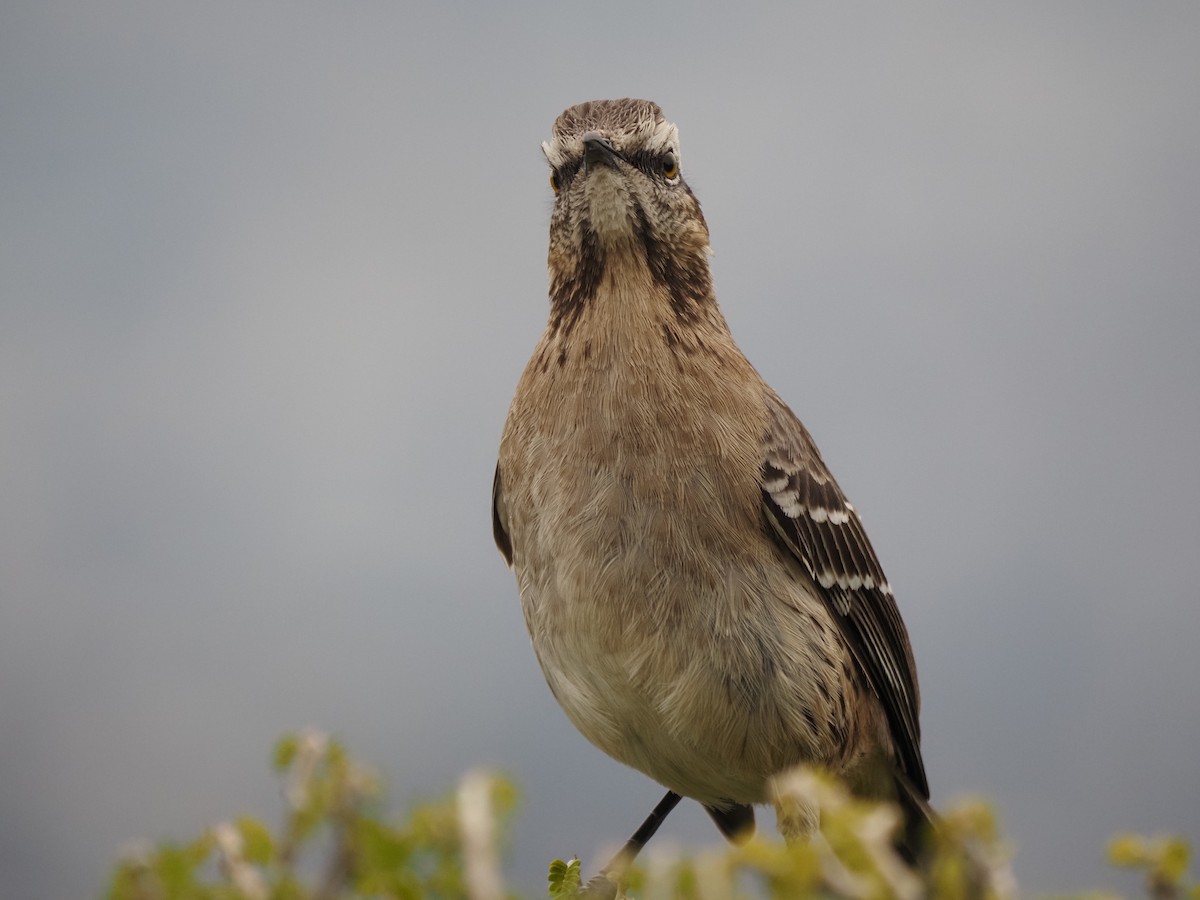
(561, 176)
(656, 163)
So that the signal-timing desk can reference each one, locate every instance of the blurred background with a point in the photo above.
(269, 273)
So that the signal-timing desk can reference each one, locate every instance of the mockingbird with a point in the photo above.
(701, 595)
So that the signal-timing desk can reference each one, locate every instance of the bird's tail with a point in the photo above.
(922, 828)
(921, 823)
(735, 821)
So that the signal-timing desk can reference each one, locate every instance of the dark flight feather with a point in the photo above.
(810, 517)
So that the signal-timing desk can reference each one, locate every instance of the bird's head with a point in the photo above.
(621, 203)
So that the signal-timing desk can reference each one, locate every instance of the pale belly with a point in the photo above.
(707, 676)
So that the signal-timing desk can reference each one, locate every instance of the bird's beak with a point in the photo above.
(598, 151)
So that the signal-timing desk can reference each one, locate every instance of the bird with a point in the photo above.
(701, 596)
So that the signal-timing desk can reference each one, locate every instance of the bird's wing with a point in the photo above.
(503, 541)
(809, 515)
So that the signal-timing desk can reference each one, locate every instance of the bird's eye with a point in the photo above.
(670, 166)
(554, 181)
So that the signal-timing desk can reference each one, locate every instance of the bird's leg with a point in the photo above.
(604, 885)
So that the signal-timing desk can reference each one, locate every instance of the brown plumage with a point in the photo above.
(703, 600)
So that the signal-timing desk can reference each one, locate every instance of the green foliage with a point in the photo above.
(335, 842)
(565, 879)
(1163, 861)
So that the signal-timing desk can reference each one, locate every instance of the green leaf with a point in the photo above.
(176, 868)
(257, 844)
(564, 879)
(380, 848)
(285, 751)
(1126, 850)
(1173, 861)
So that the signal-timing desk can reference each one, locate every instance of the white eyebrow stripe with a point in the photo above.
(654, 137)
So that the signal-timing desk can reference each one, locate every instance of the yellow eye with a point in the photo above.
(554, 181)
(670, 166)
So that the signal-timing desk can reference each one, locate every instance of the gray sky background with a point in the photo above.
(269, 273)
